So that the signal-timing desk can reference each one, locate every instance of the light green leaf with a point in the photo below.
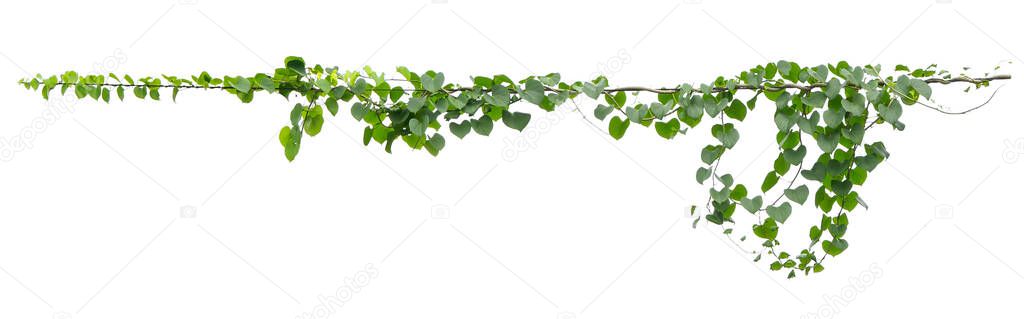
(669, 129)
(617, 127)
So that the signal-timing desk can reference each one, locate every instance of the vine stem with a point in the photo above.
(716, 89)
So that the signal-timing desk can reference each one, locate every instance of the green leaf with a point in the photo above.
(736, 110)
(794, 157)
(780, 213)
(767, 230)
(752, 205)
(140, 91)
(396, 93)
(738, 193)
(332, 106)
(834, 247)
(380, 132)
(324, 85)
(921, 87)
(659, 110)
(669, 129)
(703, 174)
(602, 111)
(856, 105)
(833, 88)
(296, 64)
(314, 121)
(891, 112)
(416, 103)
(499, 96)
(594, 90)
(616, 100)
(533, 92)
(359, 111)
(726, 180)
(294, 141)
(460, 129)
(769, 181)
(435, 144)
(242, 84)
(814, 99)
(483, 125)
(783, 121)
(797, 195)
(284, 136)
(617, 127)
(711, 153)
(516, 120)
(726, 134)
(266, 83)
(432, 83)
(417, 127)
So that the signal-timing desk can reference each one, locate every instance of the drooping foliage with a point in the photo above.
(825, 109)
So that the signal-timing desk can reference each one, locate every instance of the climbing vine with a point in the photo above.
(825, 110)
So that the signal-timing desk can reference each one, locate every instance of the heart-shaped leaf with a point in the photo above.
(516, 120)
(752, 205)
(483, 125)
(617, 127)
(602, 111)
(669, 129)
(460, 129)
(417, 127)
(797, 195)
(780, 213)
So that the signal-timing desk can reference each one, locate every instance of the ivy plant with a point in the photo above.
(822, 114)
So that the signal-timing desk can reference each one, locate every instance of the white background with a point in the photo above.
(189, 209)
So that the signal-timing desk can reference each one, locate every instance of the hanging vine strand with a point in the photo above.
(826, 109)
